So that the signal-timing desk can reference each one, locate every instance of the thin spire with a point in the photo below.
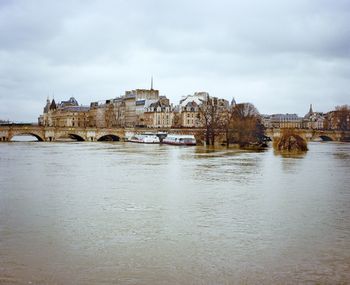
(233, 102)
(310, 111)
(152, 83)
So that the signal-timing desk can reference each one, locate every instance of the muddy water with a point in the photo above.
(122, 213)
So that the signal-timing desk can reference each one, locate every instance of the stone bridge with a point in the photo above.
(7, 132)
(312, 135)
(42, 133)
(51, 134)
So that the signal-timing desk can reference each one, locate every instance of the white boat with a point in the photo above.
(180, 140)
(144, 138)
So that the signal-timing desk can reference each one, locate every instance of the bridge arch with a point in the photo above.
(37, 136)
(62, 135)
(76, 137)
(325, 138)
(109, 137)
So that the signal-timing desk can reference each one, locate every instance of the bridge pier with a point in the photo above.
(91, 136)
(4, 135)
(49, 136)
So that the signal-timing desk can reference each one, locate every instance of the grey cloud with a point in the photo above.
(281, 55)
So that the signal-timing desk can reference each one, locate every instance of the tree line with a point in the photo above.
(239, 123)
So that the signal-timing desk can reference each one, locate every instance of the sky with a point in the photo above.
(280, 55)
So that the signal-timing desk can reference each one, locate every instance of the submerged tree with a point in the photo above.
(238, 123)
(290, 141)
(211, 115)
(245, 125)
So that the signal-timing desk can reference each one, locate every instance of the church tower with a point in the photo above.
(233, 102)
(53, 105)
(47, 106)
(311, 111)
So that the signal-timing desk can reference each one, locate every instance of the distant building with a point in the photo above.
(107, 114)
(143, 94)
(233, 102)
(266, 121)
(159, 114)
(313, 120)
(136, 103)
(64, 114)
(281, 121)
(145, 108)
(4, 122)
(72, 102)
(123, 111)
(190, 108)
(190, 115)
(197, 97)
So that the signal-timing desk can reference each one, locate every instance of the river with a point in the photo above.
(123, 213)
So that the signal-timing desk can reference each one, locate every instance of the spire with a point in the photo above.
(152, 83)
(47, 106)
(233, 102)
(310, 111)
(53, 105)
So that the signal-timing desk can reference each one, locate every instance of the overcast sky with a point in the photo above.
(279, 55)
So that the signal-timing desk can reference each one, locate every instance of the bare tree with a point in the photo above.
(240, 123)
(245, 125)
(210, 114)
(342, 117)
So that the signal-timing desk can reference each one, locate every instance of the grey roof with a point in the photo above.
(72, 102)
(191, 104)
(140, 102)
(285, 117)
(76, 108)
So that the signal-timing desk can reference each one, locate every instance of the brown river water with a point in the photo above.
(123, 213)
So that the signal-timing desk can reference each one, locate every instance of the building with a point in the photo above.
(130, 110)
(107, 114)
(190, 108)
(136, 103)
(313, 120)
(64, 114)
(159, 114)
(144, 94)
(197, 97)
(266, 121)
(4, 122)
(136, 108)
(190, 115)
(123, 111)
(280, 121)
